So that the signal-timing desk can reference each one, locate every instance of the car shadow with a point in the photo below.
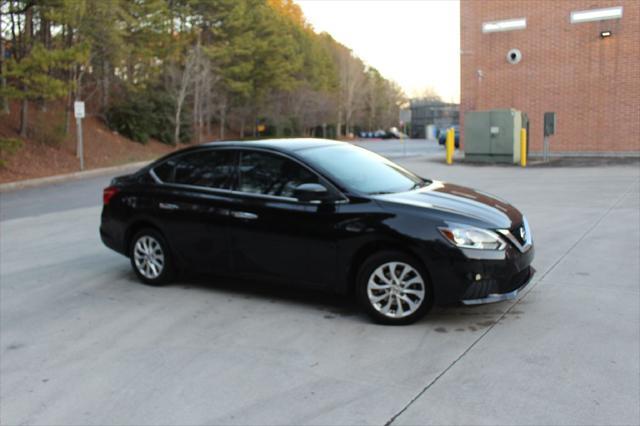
(272, 292)
(442, 319)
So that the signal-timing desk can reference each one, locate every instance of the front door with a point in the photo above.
(273, 236)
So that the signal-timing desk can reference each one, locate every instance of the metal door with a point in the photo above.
(477, 139)
(502, 141)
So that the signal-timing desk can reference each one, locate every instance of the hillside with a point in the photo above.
(45, 154)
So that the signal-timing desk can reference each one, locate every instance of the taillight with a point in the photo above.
(108, 193)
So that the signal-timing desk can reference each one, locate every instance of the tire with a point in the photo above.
(408, 297)
(151, 258)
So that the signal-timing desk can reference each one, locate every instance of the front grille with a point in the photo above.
(515, 236)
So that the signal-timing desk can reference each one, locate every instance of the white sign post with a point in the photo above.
(78, 110)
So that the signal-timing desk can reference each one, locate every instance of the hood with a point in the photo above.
(447, 197)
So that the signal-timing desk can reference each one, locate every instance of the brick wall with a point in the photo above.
(592, 84)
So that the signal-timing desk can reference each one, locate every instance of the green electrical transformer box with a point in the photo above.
(494, 136)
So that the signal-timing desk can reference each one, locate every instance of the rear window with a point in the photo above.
(209, 169)
(164, 171)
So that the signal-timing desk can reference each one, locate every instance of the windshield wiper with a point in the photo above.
(418, 185)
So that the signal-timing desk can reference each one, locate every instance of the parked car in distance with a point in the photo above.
(392, 133)
(320, 214)
(442, 136)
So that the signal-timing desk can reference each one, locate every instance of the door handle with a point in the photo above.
(244, 215)
(168, 206)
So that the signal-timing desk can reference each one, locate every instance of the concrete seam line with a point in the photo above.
(501, 317)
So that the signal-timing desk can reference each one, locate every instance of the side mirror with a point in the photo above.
(309, 192)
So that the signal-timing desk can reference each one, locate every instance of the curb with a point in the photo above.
(30, 183)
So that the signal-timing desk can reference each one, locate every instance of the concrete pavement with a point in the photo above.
(81, 342)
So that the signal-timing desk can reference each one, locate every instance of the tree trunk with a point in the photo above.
(3, 82)
(28, 33)
(106, 83)
(176, 132)
(242, 128)
(67, 35)
(67, 113)
(196, 112)
(207, 111)
(24, 117)
(208, 116)
(223, 120)
(339, 125)
(255, 128)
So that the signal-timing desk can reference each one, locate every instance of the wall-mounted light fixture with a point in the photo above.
(579, 16)
(514, 56)
(605, 34)
(505, 25)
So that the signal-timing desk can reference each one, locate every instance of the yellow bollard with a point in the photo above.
(523, 147)
(450, 145)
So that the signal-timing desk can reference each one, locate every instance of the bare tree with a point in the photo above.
(223, 116)
(428, 93)
(352, 79)
(182, 77)
(205, 90)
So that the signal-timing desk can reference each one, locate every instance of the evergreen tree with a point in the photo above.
(193, 62)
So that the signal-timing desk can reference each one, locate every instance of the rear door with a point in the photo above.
(192, 201)
(274, 236)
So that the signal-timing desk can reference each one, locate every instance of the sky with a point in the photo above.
(415, 43)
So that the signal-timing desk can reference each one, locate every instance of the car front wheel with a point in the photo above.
(393, 288)
(151, 258)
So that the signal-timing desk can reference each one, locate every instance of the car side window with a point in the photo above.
(164, 171)
(269, 174)
(210, 169)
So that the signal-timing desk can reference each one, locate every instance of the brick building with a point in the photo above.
(581, 63)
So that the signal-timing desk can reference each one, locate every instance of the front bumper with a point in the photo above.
(499, 297)
(479, 276)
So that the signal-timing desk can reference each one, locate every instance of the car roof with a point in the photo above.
(283, 145)
(292, 144)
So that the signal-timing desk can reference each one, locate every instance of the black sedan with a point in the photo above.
(320, 214)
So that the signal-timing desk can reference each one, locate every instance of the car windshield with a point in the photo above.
(361, 170)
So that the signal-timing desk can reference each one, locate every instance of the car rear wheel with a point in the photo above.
(393, 289)
(150, 258)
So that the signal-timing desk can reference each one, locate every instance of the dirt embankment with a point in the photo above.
(47, 151)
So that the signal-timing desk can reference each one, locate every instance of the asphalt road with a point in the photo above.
(81, 342)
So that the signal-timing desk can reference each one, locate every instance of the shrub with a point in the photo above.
(150, 113)
(8, 147)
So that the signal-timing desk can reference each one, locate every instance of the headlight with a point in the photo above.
(471, 237)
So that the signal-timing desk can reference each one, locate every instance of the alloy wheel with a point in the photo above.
(396, 289)
(148, 257)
